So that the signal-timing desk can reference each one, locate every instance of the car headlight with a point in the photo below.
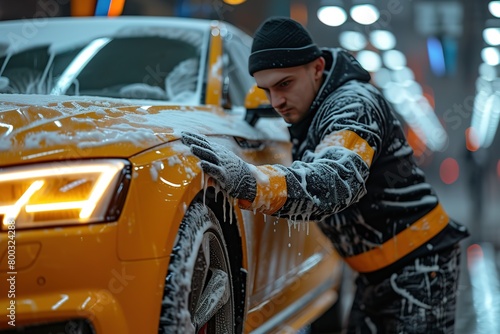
(70, 192)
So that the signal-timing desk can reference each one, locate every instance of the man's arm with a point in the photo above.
(328, 180)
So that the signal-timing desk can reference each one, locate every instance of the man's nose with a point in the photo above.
(277, 100)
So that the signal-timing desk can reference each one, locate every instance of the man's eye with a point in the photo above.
(284, 83)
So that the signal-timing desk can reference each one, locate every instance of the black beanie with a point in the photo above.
(281, 42)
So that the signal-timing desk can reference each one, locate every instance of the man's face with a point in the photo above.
(292, 90)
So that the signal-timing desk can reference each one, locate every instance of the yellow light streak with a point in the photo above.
(50, 172)
(99, 188)
(12, 211)
(55, 206)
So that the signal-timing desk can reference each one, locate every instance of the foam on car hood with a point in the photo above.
(59, 128)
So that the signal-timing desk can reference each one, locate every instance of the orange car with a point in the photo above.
(108, 223)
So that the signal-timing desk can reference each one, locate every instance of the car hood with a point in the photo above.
(42, 128)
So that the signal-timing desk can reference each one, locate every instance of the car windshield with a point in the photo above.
(140, 64)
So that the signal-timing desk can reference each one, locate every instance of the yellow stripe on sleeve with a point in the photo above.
(350, 140)
(271, 191)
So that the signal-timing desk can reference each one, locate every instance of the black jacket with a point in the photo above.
(354, 173)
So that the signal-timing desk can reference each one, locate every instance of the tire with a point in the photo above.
(198, 292)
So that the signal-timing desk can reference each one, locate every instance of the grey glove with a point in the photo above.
(230, 171)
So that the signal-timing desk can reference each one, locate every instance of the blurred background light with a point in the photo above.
(491, 119)
(436, 56)
(471, 140)
(485, 117)
(365, 14)
(486, 72)
(403, 74)
(332, 13)
(494, 8)
(492, 36)
(109, 7)
(394, 59)
(299, 12)
(449, 170)
(352, 40)
(234, 2)
(370, 60)
(382, 78)
(490, 55)
(383, 39)
(413, 89)
(394, 93)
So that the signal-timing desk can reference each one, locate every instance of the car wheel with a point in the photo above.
(198, 292)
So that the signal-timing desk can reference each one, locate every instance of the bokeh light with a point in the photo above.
(370, 60)
(333, 16)
(352, 40)
(383, 39)
(365, 14)
(449, 171)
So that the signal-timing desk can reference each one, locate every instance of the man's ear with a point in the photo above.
(319, 67)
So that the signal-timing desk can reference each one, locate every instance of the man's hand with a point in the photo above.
(232, 173)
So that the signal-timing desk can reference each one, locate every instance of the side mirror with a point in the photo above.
(257, 106)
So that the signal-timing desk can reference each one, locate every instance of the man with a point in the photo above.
(353, 172)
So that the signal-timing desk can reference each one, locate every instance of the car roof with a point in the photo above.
(16, 35)
(161, 20)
